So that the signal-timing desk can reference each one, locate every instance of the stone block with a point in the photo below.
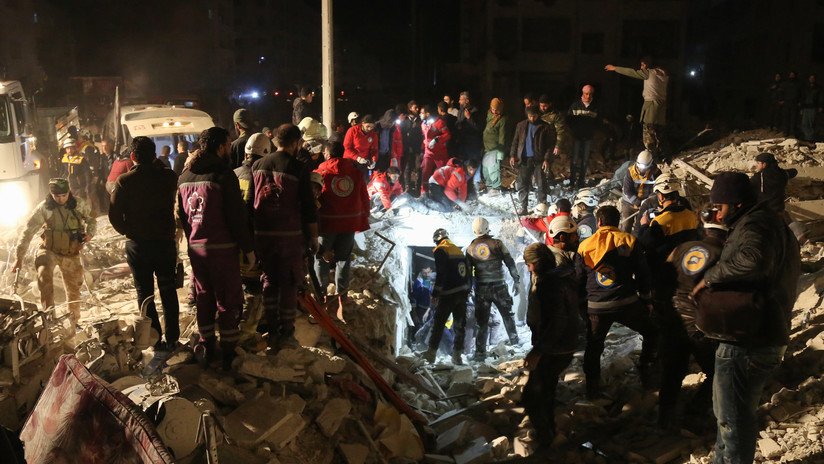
(500, 447)
(291, 428)
(354, 453)
(461, 375)
(332, 415)
(452, 438)
(255, 421)
(769, 448)
(478, 452)
(437, 459)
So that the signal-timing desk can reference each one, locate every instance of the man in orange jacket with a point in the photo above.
(448, 185)
(383, 188)
(361, 144)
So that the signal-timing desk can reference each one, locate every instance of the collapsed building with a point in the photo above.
(360, 393)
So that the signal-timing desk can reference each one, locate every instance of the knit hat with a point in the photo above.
(243, 118)
(58, 186)
(731, 188)
(497, 104)
(765, 157)
(538, 253)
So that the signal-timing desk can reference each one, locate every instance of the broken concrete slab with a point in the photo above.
(452, 438)
(220, 390)
(255, 421)
(332, 415)
(769, 448)
(267, 367)
(354, 453)
(478, 452)
(500, 447)
(437, 459)
(291, 428)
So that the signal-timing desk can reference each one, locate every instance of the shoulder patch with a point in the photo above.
(694, 260)
(342, 186)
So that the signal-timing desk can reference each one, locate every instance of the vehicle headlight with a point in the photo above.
(16, 201)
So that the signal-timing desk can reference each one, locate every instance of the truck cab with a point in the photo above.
(20, 186)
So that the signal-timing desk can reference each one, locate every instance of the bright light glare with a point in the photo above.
(254, 94)
(14, 196)
(692, 73)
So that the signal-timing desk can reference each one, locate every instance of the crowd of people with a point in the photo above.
(261, 211)
(788, 98)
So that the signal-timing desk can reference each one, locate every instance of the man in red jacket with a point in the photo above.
(563, 207)
(361, 144)
(448, 185)
(384, 187)
(344, 210)
(435, 137)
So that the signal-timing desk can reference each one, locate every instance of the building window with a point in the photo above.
(661, 39)
(592, 43)
(504, 32)
(818, 43)
(546, 35)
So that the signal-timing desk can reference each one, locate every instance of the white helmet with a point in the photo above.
(258, 144)
(665, 184)
(480, 226)
(352, 116)
(561, 224)
(644, 159)
(541, 209)
(586, 197)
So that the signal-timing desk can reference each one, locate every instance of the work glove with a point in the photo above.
(362, 160)
(432, 143)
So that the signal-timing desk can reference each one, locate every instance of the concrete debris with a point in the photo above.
(221, 391)
(477, 452)
(452, 438)
(333, 414)
(354, 453)
(256, 421)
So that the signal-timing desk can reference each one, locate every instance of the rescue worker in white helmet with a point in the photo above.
(486, 257)
(637, 186)
(583, 211)
(564, 234)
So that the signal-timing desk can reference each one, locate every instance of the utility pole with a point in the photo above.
(327, 65)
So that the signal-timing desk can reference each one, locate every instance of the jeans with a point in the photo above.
(808, 123)
(525, 173)
(147, 259)
(341, 245)
(440, 202)
(491, 167)
(580, 162)
(740, 376)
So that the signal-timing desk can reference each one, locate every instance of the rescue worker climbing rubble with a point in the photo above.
(448, 295)
(214, 219)
(486, 257)
(583, 207)
(66, 224)
(383, 188)
(637, 186)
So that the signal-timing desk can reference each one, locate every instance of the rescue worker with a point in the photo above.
(76, 168)
(682, 339)
(618, 290)
(361, 145)
(421, 297)
(770, 181)
(120, 165)
(256, 148)
(448, 187)
(285, 222)
(673, 224)
(563, 207)
(564, 234)
(436, 136)
(66, 224)
(761, 260)
(142, 209)
(557, 120)
(448, 295)
(583, 209)
(552, 316)
(412, 148)
(531, 150)
(383, 188)
(344, 211)
(637, 186)
(486, 257)
(214, 220)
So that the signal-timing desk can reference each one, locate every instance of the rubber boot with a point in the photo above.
(228, 354)
(205, 351)
(479, 356)
(457, 359)
(430, 354)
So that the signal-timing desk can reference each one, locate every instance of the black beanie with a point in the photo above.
(732, 188)
(765, 157)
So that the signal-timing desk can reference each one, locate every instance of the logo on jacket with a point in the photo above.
(694, 260)
(605, 277)
(584, 231)
(195, 202)
(462, 269)
(342, 186)
(482, 251)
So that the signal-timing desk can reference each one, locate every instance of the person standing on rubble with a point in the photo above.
(584, 119)
(286, 225)
(618, 290)
(486, 257)
(558, 121)
(770, 181)
(495, 146)
(654, 112)
(531, 150)
(361, 145)
(243, 126)
(638, 183)
(682, 339)
(67, 224)
(142, 209)
(552, 316)
(213, 216)
(812, 101)
(343, 212)
(746, 300)
(436, 135)
(448, 296)
(412, 149)
(77, 170)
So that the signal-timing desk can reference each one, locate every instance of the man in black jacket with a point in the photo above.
(412, 149)
(243, 126)
(531, 149)
(761, 262)
(584, 119)
(770, 181)
(142, 209)
(552, 316)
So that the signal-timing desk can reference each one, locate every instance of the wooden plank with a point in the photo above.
(695, 172)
